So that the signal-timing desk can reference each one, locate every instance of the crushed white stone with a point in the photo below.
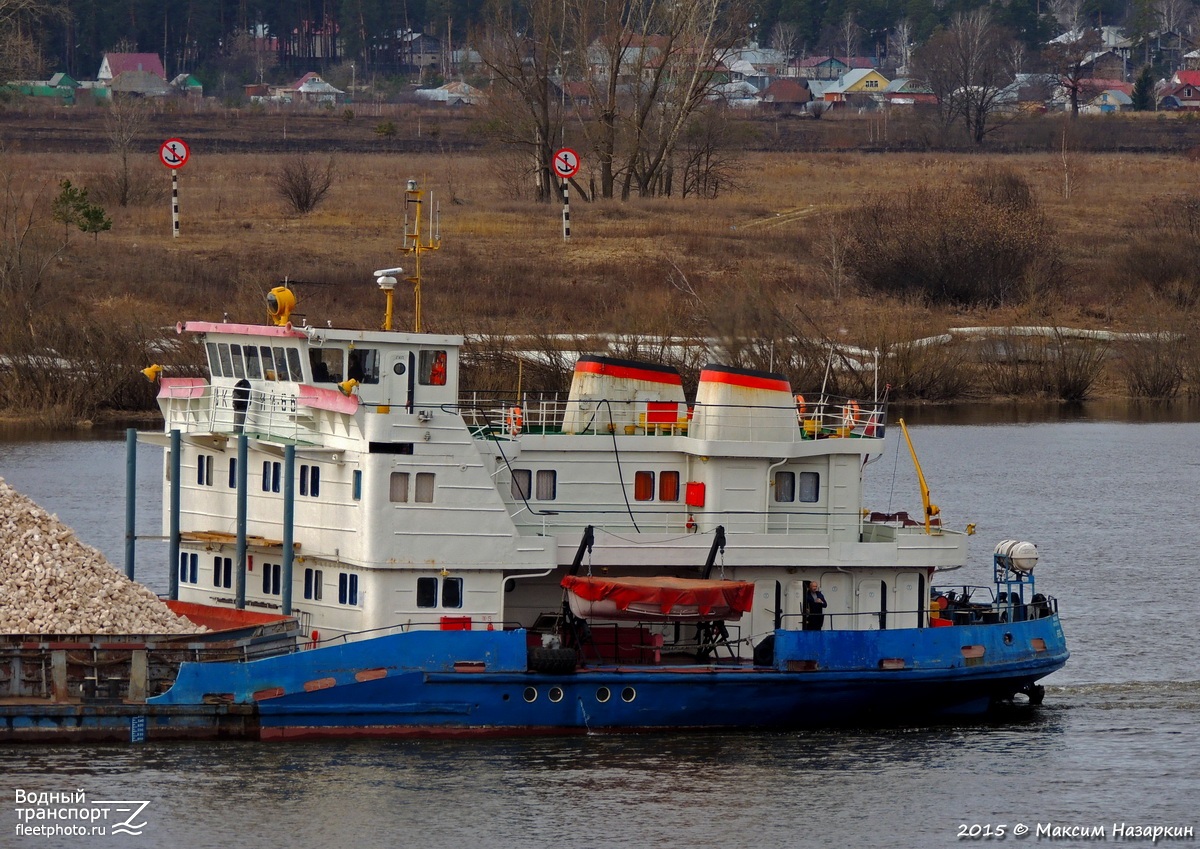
(51, 583)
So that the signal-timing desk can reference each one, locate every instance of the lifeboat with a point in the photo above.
(661, 598)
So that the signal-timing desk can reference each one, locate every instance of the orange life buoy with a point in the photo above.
(514, 420)
(851, 414)
(801, 409)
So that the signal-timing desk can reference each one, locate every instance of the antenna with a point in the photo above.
(413, 244)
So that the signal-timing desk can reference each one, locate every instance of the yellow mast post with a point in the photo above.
(413, 244)
(931, 509)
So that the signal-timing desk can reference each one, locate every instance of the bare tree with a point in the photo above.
(848, 34)
(302, 183)
(22, 26)
(900, 44)
(125, 121)
(966, 67)
(783, 38)
(1068, 13)
(1068, 57)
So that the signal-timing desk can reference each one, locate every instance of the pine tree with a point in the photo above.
(1143, 90)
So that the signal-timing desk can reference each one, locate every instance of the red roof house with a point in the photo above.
(115, 64)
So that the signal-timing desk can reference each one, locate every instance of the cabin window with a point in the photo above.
(239, 367)
(643, 486)
(270, 476)
(271, 576)
(356, 485)
(522, 480)
(281, 366)
(214, 360)
(785, 486)
(189, 568)
(452, 592)
(312, 584)
(398, 491)
(310, 481)
(233, 472)
(432, 368)
(204, 469)
(810, 487)
(348, 589)
(547, 485)
(364, 365)
(424, 487)
(293, 358)
(226, 362)
(223, 572)
(326, 364)
(268, 363)
(253, 369)
(427, 592)
(668, 486)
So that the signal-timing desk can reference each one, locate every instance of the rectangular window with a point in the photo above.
(253, 369)
(364, 365)
(326, 365)
(204, 469)
(643, 486)
(356, 485)
(223, 572)
(281, 368)
(304, 480)
(239, 367)
(668, 486)
(427, 592)
(226, 362)
(522, 480)
(233, 472)
(785, 486)
(424, 488)
(432, 368)
(310, 481)
(268, 363)
(293, 358)
(214, 360)
(312, 584)
(398, 490)
(188, 568)
(810, 487)
(348, 589)
(271, 476)
(547, 485)
(452, 592)
(271, 576)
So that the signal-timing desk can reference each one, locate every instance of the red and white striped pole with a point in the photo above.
(566, 214)
(175, 202)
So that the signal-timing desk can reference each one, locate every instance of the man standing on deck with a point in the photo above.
(814, 607)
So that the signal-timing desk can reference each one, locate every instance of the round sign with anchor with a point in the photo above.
(174, 153)
(566, 163)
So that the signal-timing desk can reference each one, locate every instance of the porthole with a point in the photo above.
(1008, 639)
(628, 694)
(398, 368)
(603, 694)
(504, 698)
(556, 694)
(531, 694)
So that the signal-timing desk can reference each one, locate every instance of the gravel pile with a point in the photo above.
(51, 583)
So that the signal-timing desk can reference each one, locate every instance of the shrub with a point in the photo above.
(302, 183)
(1166, 254)
(983, 243)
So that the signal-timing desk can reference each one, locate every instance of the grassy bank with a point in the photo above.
(761, 270)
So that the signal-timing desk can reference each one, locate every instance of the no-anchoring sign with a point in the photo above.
(174, 153)
(566, 163)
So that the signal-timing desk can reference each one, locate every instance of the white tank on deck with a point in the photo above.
(1019, 556)
(624, 395)
(745, 405)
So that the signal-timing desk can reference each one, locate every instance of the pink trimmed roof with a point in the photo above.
(1187, 78)
(1107, 85)
(119, 63)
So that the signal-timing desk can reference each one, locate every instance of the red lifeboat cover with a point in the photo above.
(690, 597)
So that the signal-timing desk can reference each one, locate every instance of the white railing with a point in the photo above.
(275, 416)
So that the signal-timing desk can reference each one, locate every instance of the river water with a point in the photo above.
(1111, 499)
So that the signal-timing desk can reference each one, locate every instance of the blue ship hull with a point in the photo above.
(429, 682)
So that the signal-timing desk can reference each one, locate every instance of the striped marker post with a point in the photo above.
(566, 214)
(175, 202)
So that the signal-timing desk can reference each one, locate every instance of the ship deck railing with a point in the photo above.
(269, 416)
(492, 416)
(983, 606)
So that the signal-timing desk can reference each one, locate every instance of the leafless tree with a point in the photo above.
(900, 44)
(302, 183)
(1068, 58)
(126, 120)
(783, 38)
(22, 24)
(966, 66)
(1068, 13)
(848, 34)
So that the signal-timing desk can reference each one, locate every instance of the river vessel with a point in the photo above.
(627, 556)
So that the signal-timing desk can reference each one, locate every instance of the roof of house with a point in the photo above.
(851, 62)
(852, 78)
(907, 85)
(1188, 77)
(786, 90)
(119, 63)
(1106, 85)
(1116, 96)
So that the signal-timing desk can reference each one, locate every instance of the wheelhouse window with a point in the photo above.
(294, 367)
(326, 364)
(253, 366)
(431, 370)
(547, 485)
(214, 360)
(364, 365)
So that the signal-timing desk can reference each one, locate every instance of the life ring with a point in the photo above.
(851, 415)
(801, 409)
(513, 420)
